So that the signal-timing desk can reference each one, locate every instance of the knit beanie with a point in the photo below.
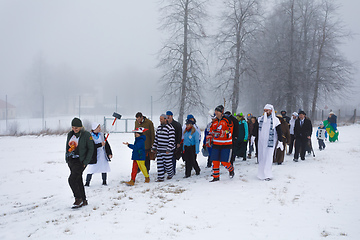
(76, 122)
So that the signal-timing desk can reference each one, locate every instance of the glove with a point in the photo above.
(245, 140)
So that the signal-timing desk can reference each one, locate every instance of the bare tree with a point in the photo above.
(333, 72)
(181, 56)
(301, 57)
(240, 24)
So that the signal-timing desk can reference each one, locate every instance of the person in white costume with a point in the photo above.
(101, 157)
(269, 129)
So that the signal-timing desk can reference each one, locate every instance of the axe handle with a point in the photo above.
(113, 122)
(106, 137)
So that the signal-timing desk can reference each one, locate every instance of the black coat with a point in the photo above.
(303, 131)
(178, 131)
(107, 150)
(236, 127)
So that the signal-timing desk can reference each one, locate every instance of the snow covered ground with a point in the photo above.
(313, 199)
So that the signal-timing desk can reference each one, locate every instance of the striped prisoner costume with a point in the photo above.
(164, 144)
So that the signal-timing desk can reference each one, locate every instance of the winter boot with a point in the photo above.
(147, 179)
(78, 203)
(103, 175)
(231, 174)
(130, 183)
(88, 179)
(215, 180)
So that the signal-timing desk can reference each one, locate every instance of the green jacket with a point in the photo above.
(85, 148)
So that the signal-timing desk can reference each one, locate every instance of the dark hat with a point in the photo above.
(169, 113)
(220, 108)
(302, 112)
(188, 121)
(76, 122)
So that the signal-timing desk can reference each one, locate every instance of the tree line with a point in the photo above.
(288, 56)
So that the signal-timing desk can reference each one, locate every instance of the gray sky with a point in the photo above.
(109, 39)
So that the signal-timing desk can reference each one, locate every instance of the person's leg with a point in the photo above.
(147, 160)
(142, 167)
(104, 176)
(168, 165)
(297, 149)
(225, 160)
(174, 163)
(303, 148)
(186, 158)
(88, 179)
(215, 158)
(160, 166)
(75, 179)
(216, 170)
(134, 170)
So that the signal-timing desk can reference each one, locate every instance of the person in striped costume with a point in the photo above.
(221, 130)
(164, 146)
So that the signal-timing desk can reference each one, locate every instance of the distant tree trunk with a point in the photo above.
(240, 26)
(181, 57)
(184, 64)
(290, 103)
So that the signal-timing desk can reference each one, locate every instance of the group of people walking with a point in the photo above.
(227, 137)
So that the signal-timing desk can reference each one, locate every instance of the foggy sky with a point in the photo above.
(101, 42)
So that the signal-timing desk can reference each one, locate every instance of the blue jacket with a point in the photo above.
(243, 131)
(138, 148)
(191, 140)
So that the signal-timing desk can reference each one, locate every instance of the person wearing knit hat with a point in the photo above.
(79, 152)
(101, 157)
(76, 122)
(221, 131)
(269, 130)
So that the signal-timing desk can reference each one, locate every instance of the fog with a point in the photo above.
(96, 53)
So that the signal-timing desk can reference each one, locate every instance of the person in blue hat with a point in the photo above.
(192, 118)
(191, 148)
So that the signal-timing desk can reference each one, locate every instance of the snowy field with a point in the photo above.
(313, 199)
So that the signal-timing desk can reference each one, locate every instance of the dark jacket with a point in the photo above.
(235, 128)
(107, 150)
(84, 149)
(285, 132)
(255, 131)
(303, 131)
(138, 148)
(178, 131)
(150, 134)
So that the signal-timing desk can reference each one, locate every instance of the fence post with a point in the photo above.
(354, 115)
(339, 116)
(126, 125)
